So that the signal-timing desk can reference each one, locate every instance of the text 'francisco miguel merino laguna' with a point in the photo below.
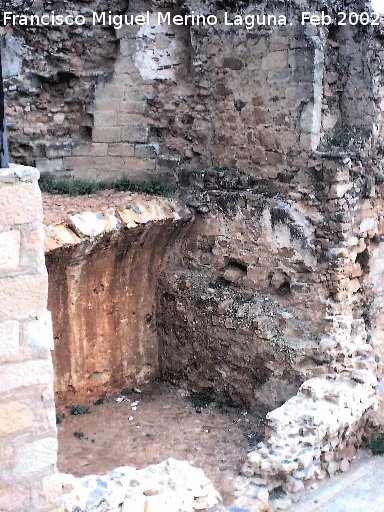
(118, 21)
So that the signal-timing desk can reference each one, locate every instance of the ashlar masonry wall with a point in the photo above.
(28, 443)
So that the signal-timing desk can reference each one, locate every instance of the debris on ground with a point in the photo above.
(172, 486)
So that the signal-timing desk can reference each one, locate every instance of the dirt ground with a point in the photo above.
(163, 424)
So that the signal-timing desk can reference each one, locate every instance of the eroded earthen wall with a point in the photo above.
(28, 444)
(103, 270)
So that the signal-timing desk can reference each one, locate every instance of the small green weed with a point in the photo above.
(277, 493)
(226, 405)
(75, 187)
(201, 399)
(59, 418)
(99, 401)
(79, 435)
(78, 410)
(376, 443)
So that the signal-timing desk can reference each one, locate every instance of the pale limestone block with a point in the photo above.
(340, 189)
(368, 224)
(133, 107)
(95, 162)
(112, 91)
(38, 335)
(36, 456)
(23, 296)
(9, 338)
(57, 235)
(121, 149)
(274, 61)
(16, 173)
(134, 134)
(105, 118)
(125, 118)
(9, 249)
(20, 204)
(32, 253)
(106, 134)
(15, 498)
(129, 217)
(14, 416)
(90, 149)
(28, 373)
(49, 165)
(139, 164)
(88, 223)
(51, 488)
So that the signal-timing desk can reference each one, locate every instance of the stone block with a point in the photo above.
(92, 223)
(134, 134)
(146, 150)
(49, 165)
(28, 373)
(128, 119)
(274, 61)
(133, 107)
(139, 93)
(310, 120)
(339, 190)
(127, 49)
(106, 134)
(15, 498)
(95, 162)
(15, 173)
(112, 91)
(9, 249)
(58, 150)
(14, 417)
(9, 338)
(89, 149)
(22, 296)
(38, 336)
(32, 253)
(36, 456)
(138, 164)
(102, 103)
(121, 149)
(20, 204)
(51, 488)
(105, 118)
(368, 224)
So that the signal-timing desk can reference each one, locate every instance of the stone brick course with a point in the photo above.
(28, 444)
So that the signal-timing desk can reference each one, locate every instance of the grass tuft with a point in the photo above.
(376, 443)
(78, 410)
(79, 435)
(201, 399)
(75, 187)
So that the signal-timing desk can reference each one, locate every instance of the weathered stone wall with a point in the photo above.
(276, 138)
(28, 444)
(265, 241)
(103, 269)
(91, 87)
(148, 98)
(316, 433)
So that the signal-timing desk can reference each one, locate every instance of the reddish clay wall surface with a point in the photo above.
(102, 299)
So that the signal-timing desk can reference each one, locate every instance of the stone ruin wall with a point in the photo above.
(278, 281)
(28, 443)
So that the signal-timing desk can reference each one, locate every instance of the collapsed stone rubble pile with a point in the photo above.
(172, 486)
